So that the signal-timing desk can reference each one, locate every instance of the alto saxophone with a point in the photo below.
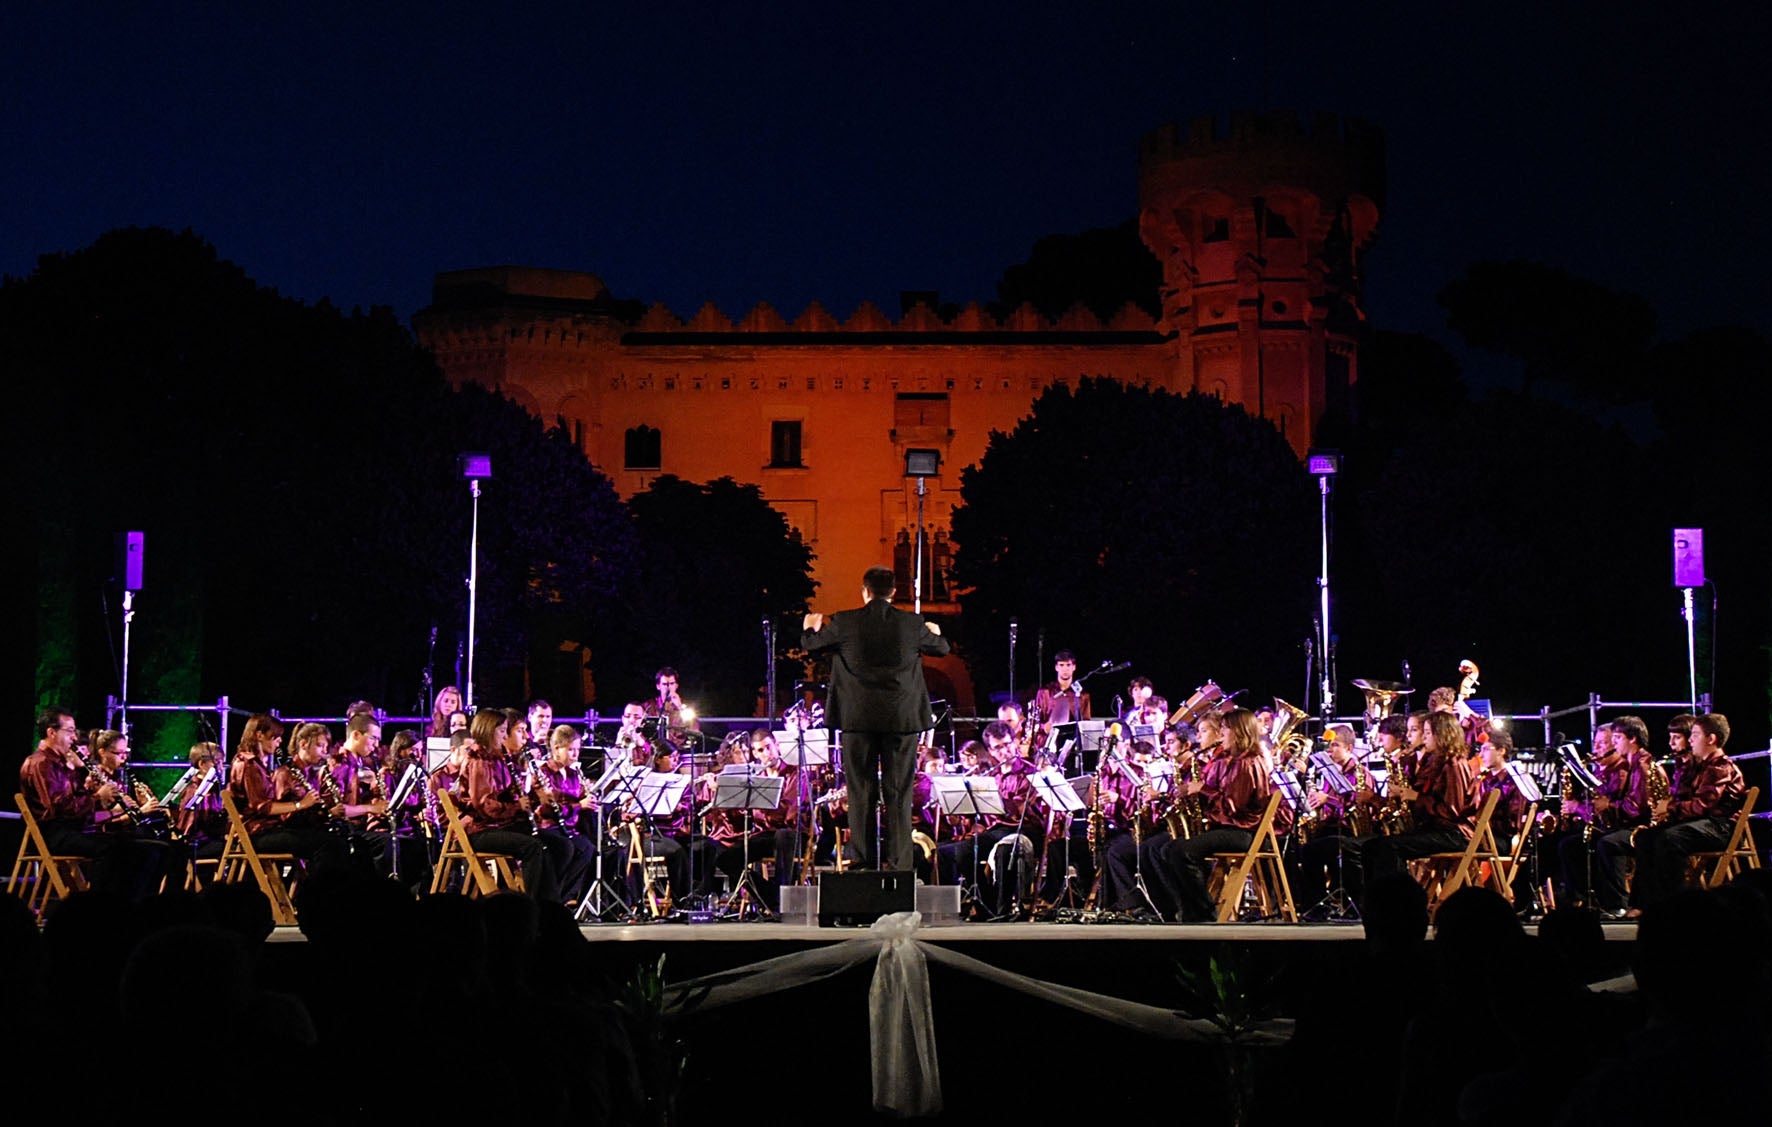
(1187, 814)
(1657, 788)
(1395, 818)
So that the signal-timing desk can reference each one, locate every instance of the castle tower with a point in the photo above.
(1261, 231)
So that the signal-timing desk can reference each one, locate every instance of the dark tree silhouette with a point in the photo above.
(1104, 269)
(294, 470)
(1563, 328)
(716, 560)
(1171, 531)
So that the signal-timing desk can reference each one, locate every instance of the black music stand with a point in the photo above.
(1533, 793)
(1337, 905)
(740, 786)
(969, 796)
(1569, 755)
(614, 788)
(1056, 793)
(656, 793)
(812, 748)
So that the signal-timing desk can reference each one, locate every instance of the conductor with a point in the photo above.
(878, 700)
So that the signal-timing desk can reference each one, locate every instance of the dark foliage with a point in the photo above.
(1104, 269)
(294, 470)
(1171, 531)
(717, 560)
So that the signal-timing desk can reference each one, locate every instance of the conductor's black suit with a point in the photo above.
(880, 703)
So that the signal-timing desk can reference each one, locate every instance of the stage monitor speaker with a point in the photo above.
(1688, 557)
(129, 559)
(858, 899)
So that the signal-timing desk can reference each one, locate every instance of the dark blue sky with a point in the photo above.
(784, 152)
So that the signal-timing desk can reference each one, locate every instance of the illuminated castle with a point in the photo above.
(1260, 230)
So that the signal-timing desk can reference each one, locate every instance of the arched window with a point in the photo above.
(642, 449)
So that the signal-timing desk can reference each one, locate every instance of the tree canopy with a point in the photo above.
(1173, 531)
(294, 470)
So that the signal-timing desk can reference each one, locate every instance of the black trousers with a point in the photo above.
(1323, 864)
(893, 756)
(1184, 869)
(539, 877)
(127, 864)
(1660, 852)
(1389, 853)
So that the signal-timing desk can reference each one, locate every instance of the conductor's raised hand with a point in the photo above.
(812, 622)
(933, 629)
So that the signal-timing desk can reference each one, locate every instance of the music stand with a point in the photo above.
(969, 796)
(436, 752)
(741, 786)
(656, 793)
(812, 748)
(1061, 799)
(614, 788)
(1531, 792)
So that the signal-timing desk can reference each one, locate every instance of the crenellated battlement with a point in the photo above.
(1245, 153)
(1209, 133)
(454, 327)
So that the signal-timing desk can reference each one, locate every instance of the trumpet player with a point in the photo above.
(1696, 815)
(1440, 798)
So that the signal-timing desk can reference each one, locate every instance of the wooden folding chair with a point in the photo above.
(1442, 874)
(39, 876)
(240, 859)
(1726, 862)
(1263, 864)
(482, 874)
(1505, 867)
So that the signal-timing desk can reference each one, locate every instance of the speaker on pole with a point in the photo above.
(129, 560)
(1688, 557)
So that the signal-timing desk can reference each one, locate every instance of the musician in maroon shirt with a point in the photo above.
(562, 798)
(1004, 842)
(63, 797)
(1441, 797)
(1697, 816)
(1234, 789)
(1330, 858)
(501, 820)
(1614, 813)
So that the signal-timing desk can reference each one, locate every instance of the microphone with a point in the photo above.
(1119, 705)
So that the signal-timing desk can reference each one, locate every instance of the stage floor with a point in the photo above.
(672, 932)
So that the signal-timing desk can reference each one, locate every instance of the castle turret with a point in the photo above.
(1261, 230)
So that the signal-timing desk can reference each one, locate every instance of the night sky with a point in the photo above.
(787, 152)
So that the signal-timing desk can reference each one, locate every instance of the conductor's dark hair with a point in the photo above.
(879, 582)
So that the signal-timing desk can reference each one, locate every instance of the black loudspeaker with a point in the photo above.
(129, 559)
(1688, 557)
(858, 899)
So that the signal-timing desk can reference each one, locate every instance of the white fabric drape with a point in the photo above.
(906, 1072)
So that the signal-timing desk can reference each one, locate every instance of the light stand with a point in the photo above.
(1323, 465)
(129, 546)
(921, 464)
(1688, 574)
(474, 467)
(1014, 629)
(129, 617)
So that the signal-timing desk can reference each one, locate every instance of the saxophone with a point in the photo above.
(1096, 833)
(1187, 814)
(1657, 788)
(1395, 817)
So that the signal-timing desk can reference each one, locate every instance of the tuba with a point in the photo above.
(1289, 742)
(1381, 698)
